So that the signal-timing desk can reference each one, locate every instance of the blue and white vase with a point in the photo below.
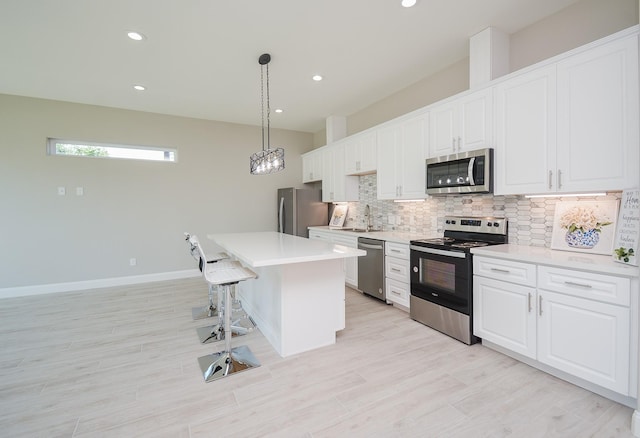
(582, 239)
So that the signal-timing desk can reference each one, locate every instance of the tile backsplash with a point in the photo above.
(530, 219)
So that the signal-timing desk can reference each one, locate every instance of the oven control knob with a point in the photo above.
(447, 221)
(453, 222)
(496, 224)
(415, 269)
(489, 224)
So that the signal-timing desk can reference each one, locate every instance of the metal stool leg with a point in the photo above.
(209, 311)
(230, 360)
(241, 325)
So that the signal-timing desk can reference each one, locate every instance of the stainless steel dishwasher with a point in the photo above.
(371, 268)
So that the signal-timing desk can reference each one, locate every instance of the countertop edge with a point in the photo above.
(563, 259)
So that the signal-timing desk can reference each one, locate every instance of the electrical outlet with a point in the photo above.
(79, 191)
(62, 191)
(133, 261)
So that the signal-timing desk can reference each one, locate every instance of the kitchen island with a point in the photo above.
(297, 301)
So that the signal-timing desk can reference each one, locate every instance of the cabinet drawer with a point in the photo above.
(397, 292)
(396, 268)
(398, 250)
(319, 235)
(605, 288)
(506, 270)
(351, 242)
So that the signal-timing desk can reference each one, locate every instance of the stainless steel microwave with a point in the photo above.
(464, 172)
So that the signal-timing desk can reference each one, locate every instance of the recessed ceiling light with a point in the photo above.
(317, 78)
(278, 110)
(408, 3)
(139, 87)
(135, 36)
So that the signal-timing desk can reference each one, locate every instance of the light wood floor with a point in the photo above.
(121, 362)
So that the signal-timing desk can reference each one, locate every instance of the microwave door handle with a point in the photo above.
(472, 163)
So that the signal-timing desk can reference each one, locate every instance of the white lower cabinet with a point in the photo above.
(585, 338)
(577, 322)
(396, 268)
(350, 264)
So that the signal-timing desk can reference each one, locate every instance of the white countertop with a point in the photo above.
(388, 236)
(268, 248)
(564, 259)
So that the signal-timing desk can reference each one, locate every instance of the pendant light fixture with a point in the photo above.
(267, 160)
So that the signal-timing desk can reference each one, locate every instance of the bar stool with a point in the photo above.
(241, 323)
(210, 310)
(230, 360)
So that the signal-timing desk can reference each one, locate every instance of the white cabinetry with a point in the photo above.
(503, 304)
(350, 264)
(461, 124)
(360, 154)
(312, 166)
(402, 150)
(570, 126)
(598, 118)
(336, 186)
(396, 266)
(525, 133)
(573, 321)
(579, 333)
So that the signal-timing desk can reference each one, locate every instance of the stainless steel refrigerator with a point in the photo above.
(299, 209)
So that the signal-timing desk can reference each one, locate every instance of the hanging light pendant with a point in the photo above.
(267, 160)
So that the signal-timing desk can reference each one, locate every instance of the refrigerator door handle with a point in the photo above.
(281, 216)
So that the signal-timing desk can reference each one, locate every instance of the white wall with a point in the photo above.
(129, 208)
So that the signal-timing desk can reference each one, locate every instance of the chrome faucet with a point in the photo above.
(367, 214)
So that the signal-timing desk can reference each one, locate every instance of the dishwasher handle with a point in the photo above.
(367, 246)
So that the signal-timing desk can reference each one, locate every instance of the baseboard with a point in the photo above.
(41, 289)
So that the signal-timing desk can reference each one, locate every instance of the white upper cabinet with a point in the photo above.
(312, 163)
(336, 186)
(598, 118)
(526, 133)
(461, 124)
(402, 150)
(360, 154)
(571, 126)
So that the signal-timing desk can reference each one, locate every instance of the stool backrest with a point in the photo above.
(196, 250)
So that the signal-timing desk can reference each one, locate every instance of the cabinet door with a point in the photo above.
(598, 118)
(389, 158)
(585, 338)
(476, 119)
(526, 133)
(351, 157)
(336, 186)
(412, 176)
(504, 313)
(443, 129)
(367, 143)
(312, 166)
(397, 292)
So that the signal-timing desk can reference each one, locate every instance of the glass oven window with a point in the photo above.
(438, 274)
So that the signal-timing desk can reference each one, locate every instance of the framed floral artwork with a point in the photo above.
(585, 226)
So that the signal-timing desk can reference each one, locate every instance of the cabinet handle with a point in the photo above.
(540, 304)
(529, 301)
(459, 141)
(550, 179)
(395, 270)
(505, 271)
(559, 178)
(396, 293)
(453, 143)
(571, 283)
(394, 250)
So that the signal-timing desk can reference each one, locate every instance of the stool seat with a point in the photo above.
(227, 272)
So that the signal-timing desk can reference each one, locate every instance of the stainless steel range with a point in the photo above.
(442, 274)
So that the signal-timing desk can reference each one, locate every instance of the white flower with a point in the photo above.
(583, 218)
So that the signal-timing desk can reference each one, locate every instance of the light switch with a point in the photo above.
(62, 191)
(79, 191)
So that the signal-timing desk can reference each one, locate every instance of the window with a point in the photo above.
(57, 146)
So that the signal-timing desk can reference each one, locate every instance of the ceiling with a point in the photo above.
(200, 57)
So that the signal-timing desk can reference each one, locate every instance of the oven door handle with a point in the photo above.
(460, 255)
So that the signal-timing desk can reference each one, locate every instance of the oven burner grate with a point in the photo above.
(469, 244)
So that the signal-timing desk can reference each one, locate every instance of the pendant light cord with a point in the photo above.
(262, 100)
